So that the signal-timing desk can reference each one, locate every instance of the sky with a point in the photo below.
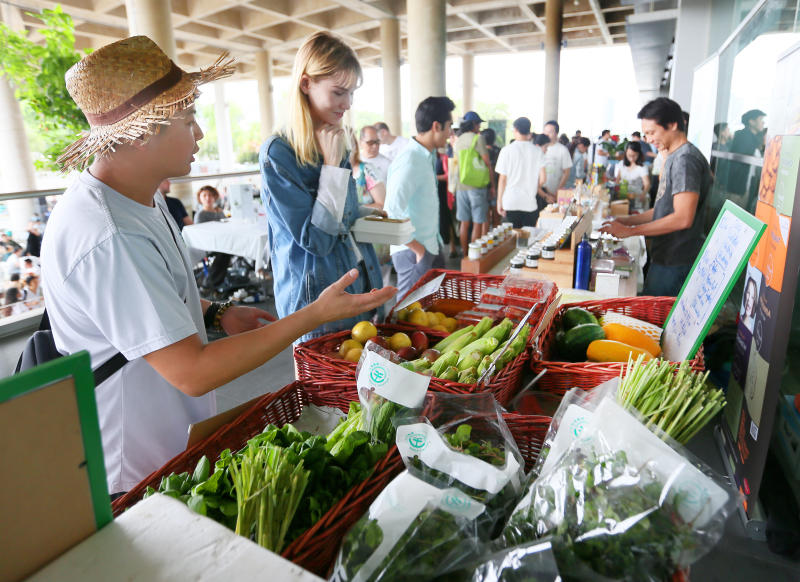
(597, 89)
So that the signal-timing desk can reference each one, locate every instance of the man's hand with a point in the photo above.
(331, 140)
(239, 319)
(617, 229)
(500, 209)
(335, 303)
(379, 212)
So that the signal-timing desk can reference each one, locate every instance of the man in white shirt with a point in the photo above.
(117, 276)
(391, 145)
(520, 170)
(557, 160)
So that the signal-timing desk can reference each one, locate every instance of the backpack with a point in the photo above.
(41, 348)
(472, 170)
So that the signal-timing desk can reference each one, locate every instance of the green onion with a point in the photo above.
(672, 397)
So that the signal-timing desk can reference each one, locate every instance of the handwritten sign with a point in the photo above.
(721, 260)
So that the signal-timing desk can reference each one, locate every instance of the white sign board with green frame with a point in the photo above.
(719, 264)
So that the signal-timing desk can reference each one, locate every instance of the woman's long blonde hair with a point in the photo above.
(322, 55)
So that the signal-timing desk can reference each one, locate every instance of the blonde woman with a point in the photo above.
(308, 188)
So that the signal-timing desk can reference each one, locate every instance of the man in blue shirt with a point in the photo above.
(411, 192)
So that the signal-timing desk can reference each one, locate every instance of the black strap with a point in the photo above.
(107, 369)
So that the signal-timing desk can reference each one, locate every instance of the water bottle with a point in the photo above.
(583, 264)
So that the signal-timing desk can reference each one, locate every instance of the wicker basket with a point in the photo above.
(561, 376)
(455, 285)
(316, 549)
(314, 366)
(327, 376)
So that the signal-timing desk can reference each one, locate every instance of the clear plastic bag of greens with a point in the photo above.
(386, 389)
(463, 442)
(530, 562)
(570, 419)
(412, 531)
(623, 503)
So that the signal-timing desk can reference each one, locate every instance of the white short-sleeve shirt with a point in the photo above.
(391, 150)
(520, 162)
(556, 160)
(117, 277)
(633, 174)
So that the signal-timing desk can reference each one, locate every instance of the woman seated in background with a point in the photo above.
(308, 189)
(370, 168)
(633, 171)
(208, 198)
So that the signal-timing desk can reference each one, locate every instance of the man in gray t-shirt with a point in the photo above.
(674, 224)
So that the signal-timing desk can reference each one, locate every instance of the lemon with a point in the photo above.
(418, 317)
(347, 345)
(362, 331)
(399, 341)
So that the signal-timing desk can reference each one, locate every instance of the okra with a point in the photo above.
(501, 331)
(483, 326)
(484, 345)
(470, 360)
(462, 341)
(443, 361)
(450, 374)
(452, 337)
(468, 376)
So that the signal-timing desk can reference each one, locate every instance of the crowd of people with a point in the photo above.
(118, 279)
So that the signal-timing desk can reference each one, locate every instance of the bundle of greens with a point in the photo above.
(672, 397)
(268, 484)
(605, 518)
(327, 468)
(422, 551)
(412, 530)
(447, 470)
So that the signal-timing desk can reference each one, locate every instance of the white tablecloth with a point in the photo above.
(235, 237)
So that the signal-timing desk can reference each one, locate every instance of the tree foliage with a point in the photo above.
(37, 73)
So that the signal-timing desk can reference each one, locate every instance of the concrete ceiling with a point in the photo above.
(204, 28)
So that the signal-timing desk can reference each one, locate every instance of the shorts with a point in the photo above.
(472, 205)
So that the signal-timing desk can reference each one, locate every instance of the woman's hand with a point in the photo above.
(335, 303)
(239, 319)
(331, 141)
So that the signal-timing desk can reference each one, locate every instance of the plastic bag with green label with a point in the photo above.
(412, 531)
(621, 502)
(472, 170)
(464, 442)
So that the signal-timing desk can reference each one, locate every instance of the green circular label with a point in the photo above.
(417, 441)
(378, 374)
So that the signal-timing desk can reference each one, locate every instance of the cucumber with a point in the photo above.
(577, 316)
(577, 339)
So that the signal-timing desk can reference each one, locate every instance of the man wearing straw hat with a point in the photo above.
(117, 277)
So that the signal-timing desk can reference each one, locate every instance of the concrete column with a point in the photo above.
(554, 18)
(265, 106)
(16, 165)
(426, 49)
(390, 63)
(468, 75)
(152, 18)
(691, 48)
(224, 137)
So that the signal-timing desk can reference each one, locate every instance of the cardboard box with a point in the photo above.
(374, 229)
(620, 208)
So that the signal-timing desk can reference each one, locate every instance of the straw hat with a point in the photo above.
(125, 89)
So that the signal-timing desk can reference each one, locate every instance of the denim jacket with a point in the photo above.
(309, 249)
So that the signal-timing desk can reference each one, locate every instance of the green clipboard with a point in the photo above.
(54, 493)
(724, 255)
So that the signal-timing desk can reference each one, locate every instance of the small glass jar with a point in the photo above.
(474, 251)
(549, 251)
(532, 259)
(517, 264)
(484, 247)
(491, 242)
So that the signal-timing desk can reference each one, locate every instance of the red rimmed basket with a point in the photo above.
(316, 549)
(313, 365)
(456, 285)
(561, 376)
